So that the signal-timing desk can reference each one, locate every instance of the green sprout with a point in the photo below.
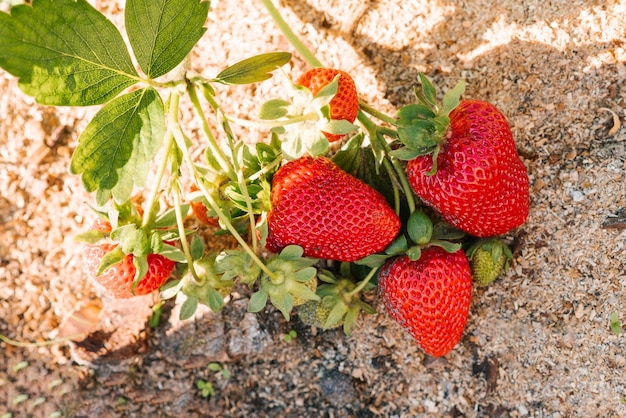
(291, 336)
(615, 323)
(206, 388)
(216, 367)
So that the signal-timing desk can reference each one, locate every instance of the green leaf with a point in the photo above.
(116, 148)
(420, 134)
(397, 246)
(452, 97)
(450, 247)
(306, 274)
(372, 261)
(414, 253)
(339, 127)
(415, 111)
(214, 367)
(168, 218)
(335, 315)
(405, 153)
(445, 231)
(171, 289)
(428, 91)
(163, 32)
(317, 145)
(111, 258)
(90, 237)
(327, 92)
(302, 291)
(348, 158)
(141, 269)
(258, 301)
(172, 253)
(284, 303)
(188, 308)
(254, 69)
(291, 252)
(214, 301)
(351, 317)
(197, 247)
(65, 53)
(274, 109)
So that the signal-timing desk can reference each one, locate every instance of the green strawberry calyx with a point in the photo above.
(421, 233)
(341, 300)
(126, 228)
(423, 126)
(289, 283)
(206, 286)
(303, 119)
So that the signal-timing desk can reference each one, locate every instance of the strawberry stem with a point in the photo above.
(291, 36)
(362, 283)
(369, 125)
(154, 191)
(364, 106)
(396, 171)
(180, 141)
(213, 145)
(15, 343)
(181, 230)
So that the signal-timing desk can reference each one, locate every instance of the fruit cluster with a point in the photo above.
(417, 208)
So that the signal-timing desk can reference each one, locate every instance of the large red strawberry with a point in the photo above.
(328, 212)
(481, 185)
(344, 105)
(463, 161)
(117, 280)
(429, 297)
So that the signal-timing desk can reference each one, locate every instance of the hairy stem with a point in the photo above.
(213, 145)
(180, 140)
(291, 36)
(400, 173)
(181, 231)
(364, 106)
(15, 343)
(274, 123)
(362, 283)
(154, 191)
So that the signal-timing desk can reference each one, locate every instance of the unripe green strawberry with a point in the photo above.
(488, 257)
(315, 313)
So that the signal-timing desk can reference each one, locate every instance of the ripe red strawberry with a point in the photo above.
(117, 280)
(429, 297)
(345, 103)
(480, 185)
(328, 212)
(201, 212)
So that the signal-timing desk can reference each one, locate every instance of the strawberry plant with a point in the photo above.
(338, 195)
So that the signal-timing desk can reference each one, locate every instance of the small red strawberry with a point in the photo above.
(429, 297)
(117, 280)
(345, 103)
(327, 212)
(201, 212)
(479, 184)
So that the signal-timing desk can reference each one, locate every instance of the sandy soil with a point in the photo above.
(538, 342)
